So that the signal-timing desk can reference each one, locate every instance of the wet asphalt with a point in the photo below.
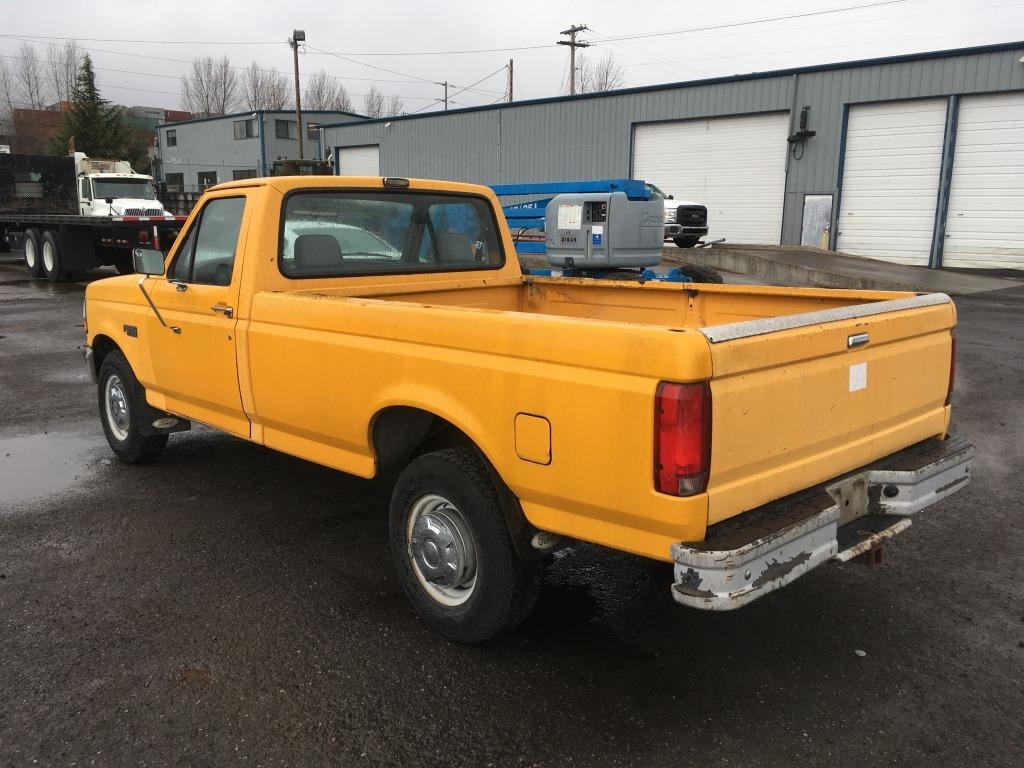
(229, 605)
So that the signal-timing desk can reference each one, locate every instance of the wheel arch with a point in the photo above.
(102, 345)
(399, 433)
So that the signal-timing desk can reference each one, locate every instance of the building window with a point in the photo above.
(206, 179)
(244, 173)
(285, 129)
(175, 181)
(312, 131)
(245, 129)
(172, 138)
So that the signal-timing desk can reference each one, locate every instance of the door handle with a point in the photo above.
(224, 310)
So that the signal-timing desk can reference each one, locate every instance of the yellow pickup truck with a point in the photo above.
(745, 434)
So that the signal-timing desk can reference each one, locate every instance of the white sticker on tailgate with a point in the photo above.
(858, 377)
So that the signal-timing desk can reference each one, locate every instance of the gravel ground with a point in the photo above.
(233, 606)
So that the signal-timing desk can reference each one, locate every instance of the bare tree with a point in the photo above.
(211, 87)
(31, 78)
(62, 63)
(373, 102)
(264, 88)
(279, 91)
(395, 106)
(8, 98)
(326, 92)
(605, 74)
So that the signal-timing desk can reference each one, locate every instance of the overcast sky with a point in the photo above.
(361, 31)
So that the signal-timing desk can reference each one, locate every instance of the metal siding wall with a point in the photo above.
(592, 138)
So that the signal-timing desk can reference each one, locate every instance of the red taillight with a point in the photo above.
(143, 236)
(682, 438)
(952, 368)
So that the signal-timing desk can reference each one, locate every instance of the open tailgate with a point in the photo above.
(800, 399)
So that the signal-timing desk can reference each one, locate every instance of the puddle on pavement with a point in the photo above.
(36, 466)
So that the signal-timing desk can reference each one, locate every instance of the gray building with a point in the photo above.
(194, 154)
(917, 159)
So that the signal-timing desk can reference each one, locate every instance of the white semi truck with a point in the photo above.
(75, 213)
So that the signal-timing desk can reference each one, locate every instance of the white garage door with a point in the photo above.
(359, 161)
(891, 180)
(985, 226)
(736, 166)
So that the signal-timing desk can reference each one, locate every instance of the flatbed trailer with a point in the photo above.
(56, 245)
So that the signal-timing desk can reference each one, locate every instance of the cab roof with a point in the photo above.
(285, 184)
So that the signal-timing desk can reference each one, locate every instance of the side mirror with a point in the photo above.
(147, 261)
(671, 197)
(108, 200)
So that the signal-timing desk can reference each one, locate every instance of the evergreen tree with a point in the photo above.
(96, 126)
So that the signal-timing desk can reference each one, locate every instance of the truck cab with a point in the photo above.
(685, 222)
(112, 188)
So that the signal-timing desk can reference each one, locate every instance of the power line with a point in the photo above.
(766, 20)
(636, 36)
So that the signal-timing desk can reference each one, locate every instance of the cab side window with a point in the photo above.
(207, 256)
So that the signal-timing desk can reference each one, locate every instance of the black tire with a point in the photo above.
(701, 274)
(505, 585)
(52, 261)
(33, 254)
(124, 266)
(124, 437)
(686, 241)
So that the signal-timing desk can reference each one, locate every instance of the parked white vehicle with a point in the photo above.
(685, 222)
(112, 188)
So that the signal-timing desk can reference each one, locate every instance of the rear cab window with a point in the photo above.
(332, 233)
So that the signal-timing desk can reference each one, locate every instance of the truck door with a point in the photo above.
(84, 197)
(194, 362)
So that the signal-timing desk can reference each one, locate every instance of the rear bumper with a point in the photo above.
(755, 553)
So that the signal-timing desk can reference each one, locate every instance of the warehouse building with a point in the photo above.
(195, 154)
(916, 159)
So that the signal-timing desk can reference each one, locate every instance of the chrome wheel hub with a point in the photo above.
(116, 405)
(48, 260)
(442, 550)
(30, 253)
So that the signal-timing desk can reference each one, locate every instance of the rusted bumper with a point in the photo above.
(755, 553)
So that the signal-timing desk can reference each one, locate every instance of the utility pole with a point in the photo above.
(510, 81)
(571, 32)
(445, 84)
(298, 36)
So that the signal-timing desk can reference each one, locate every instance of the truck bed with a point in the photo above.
(795, 400)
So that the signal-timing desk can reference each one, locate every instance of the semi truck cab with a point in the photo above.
(112, 188)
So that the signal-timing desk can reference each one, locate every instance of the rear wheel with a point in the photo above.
(701, 274)
(53, 268)
(686, 241)
(122, 406)
(453, 551)
(33, 259)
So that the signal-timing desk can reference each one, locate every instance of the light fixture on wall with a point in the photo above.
(798, 138)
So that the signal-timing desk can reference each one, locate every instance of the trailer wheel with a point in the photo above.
(701, 274)
(453, 551)
(686, 241)
(33, 260)
(52, 266)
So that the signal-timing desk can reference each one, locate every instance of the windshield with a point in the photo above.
(656, 192)
(344, 233)
(137, 189)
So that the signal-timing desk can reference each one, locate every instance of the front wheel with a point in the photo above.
(453, 551)
(122, 406)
